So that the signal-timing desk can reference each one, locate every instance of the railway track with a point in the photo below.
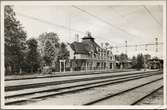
(16, 95)
(33, 83)
(147, 95)
(118, 94)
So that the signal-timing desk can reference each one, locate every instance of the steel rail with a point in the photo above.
(89, 83)
(119, 93)
(34, 85)
(80, 89)
(142, 98)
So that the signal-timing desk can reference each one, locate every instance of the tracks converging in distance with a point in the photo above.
(20, 93)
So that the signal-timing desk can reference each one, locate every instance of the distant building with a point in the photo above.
(88, 55)
(155, 63)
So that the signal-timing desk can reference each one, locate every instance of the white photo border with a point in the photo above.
(163, 3)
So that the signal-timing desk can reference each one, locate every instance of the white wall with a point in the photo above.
(71, 51)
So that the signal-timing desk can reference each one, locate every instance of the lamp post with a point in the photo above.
(60, 64)
(144, 63)
(126, 47)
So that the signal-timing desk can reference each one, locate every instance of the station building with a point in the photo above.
(88, 55)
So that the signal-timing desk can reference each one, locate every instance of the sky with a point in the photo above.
(138, 24)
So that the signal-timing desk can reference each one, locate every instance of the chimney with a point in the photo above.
(76, 37)
(102, 44)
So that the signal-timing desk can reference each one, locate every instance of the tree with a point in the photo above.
(63, 53)
(140, 61)
(117, 57)
(33, 57)
(15, 38)
(134, 61)
(147, 57)
(123, 59)
(49, 53)
(49, 43)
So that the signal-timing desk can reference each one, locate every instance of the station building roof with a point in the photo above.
(87, 45)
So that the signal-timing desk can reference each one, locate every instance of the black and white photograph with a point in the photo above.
(83, 54)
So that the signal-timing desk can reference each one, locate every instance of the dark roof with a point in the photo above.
(85, 47)
(79, 48)
(88, 37)
(155, 59)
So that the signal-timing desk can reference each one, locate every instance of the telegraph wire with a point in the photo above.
(146, 45)
(47, 22)
(50, 23)
(98, 18)
(149, 12)
(74, 30)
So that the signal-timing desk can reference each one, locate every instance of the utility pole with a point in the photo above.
(77, 37)
(156, 44)
(116, 49)
(136, 48)
(126, 47)
(69, 26)
(145, 68)
(145, 47)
